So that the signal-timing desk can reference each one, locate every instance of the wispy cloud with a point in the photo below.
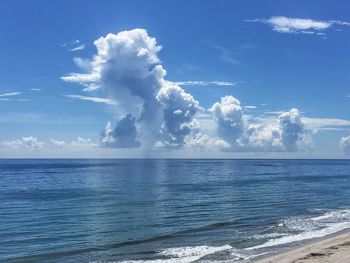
(74, 45)
(93, 99)
(10, 94)
(34, 89)
(316, 124)
(249, 107)
(80, 47)
(274, 112)
(282, 24)
(326, 123)
(204, 83)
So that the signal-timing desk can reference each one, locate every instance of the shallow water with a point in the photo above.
(167, 210)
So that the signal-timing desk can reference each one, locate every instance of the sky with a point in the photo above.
(175, 79)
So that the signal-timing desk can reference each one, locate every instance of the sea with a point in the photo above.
(167, 210)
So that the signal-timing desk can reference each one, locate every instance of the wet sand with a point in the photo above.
(333, 249)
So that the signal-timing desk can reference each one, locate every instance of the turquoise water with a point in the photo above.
(167, 210)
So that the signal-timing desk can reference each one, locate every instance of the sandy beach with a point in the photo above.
(333, 249)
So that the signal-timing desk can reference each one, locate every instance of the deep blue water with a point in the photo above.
(166, 210)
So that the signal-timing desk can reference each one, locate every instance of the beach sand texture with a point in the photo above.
(335, 249)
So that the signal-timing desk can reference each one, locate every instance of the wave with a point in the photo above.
(303, 236)
(288, 231)
(283, 233)
(298, 229)
(183, 254)
(333, 214)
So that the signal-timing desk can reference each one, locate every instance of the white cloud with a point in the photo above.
(81, 78)
(83, 63)
(58, 143)
(33, 147)
(202, 140)
(107, 137)
(123, 136)
(77, 48)
(282, 24)
(91, 87)
(291, 25)
(313, 123)
(285, 132)
(93, 99)
(325, 123)
(74, 45)
(10, 94)
(128, 69)
(345, 144)
(155, 112)
(204, 83)
(23, 143)
(230, 120)
(179, 109)
(35, 89)
(292, 129)
(262, 137)
(83, 143)
(251, 107)
(76, 145)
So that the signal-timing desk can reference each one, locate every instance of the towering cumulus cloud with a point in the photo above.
(229, 116)
(179, 109)
(123, 136)
(292, 129)
(345, 144)
(284, 133)
(128, 69)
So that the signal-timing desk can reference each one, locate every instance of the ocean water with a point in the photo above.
(167, 210)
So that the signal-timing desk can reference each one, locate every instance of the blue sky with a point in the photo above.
(269, 56)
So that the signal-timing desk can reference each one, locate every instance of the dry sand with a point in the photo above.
(334, 249)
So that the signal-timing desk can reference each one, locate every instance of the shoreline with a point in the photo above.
(334, 248)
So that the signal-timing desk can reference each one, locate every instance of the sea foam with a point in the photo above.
(184, 254)
(300, 229)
